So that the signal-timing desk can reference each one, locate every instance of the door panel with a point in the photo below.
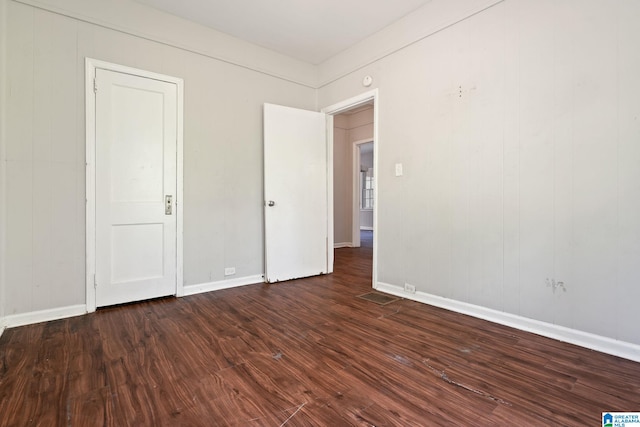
(143, 257)
(136, 129)
(295, 179)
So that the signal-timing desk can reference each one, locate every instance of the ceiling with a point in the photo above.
(309, 30)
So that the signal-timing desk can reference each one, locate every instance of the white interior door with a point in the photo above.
(295, 188)
(136, 130)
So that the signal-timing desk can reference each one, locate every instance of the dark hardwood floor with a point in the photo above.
(301, 353)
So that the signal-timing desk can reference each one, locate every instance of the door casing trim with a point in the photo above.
(90, 145)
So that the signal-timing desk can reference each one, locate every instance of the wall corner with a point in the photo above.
(3, 157)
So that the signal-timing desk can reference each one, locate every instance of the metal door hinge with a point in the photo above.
(95, 281)
(95, 85)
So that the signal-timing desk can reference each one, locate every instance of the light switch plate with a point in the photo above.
(398, 169)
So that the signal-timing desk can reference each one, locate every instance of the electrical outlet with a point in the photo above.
(229, 271)
(409, 288)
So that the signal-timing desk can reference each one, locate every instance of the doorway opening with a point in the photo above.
(352, 127)
(353, 175)
(363, 197)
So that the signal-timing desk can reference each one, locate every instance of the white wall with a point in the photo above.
(366, 159)
(519, 134)
(130, 17)
(425, 21)
(45, 152)
(366, 219)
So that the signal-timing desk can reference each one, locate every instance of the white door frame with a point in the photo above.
(357, 192)
(90, 215)
(331, 111)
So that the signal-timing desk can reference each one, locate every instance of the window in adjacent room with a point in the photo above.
(366, 201)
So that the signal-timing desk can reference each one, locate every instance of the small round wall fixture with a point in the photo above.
(366, 82)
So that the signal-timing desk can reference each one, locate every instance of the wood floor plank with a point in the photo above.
(94, 408)
(301, 353)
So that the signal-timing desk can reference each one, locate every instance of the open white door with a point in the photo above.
(136, 181)
(295, 189)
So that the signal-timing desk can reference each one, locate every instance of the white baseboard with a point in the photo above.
(77, 310)
(31, 317)
(222, 284)
(584, 339)
(342, 245)
(363, 228)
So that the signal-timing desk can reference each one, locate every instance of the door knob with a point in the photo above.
(271, 203)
